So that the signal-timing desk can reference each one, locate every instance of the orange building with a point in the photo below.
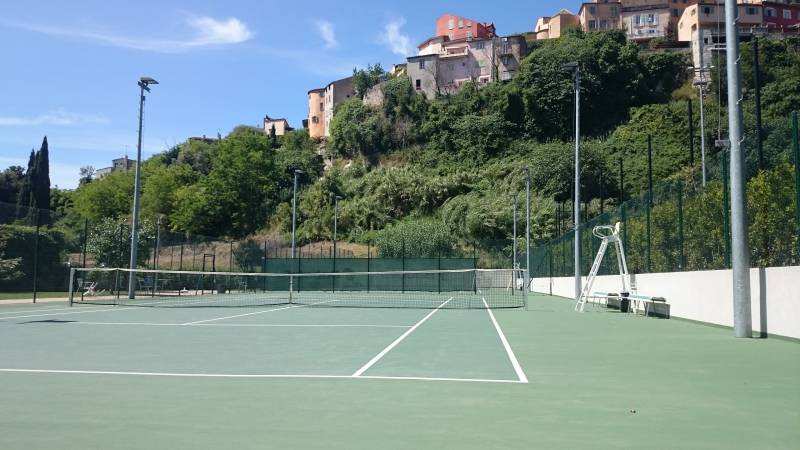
(456, 27)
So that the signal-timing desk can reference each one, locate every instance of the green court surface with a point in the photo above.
(292, 376)
(29, 295)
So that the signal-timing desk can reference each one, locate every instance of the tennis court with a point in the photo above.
(304, 375)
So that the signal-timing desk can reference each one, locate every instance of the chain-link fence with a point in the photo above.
(680, 225)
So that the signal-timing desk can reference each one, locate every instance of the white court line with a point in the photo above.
(263, 325)
(254, 313)
(509, 352)
(43, 309)
(254, 375)
(386, 350)
(69, 313)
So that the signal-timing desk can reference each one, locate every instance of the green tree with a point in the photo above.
(364, 79)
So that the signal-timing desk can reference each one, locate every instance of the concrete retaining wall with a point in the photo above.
(706, 296)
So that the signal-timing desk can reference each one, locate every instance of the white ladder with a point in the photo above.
(608, 235)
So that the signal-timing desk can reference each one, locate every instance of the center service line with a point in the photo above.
(383, 353)
(509, 352)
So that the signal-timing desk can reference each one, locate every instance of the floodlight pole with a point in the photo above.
(742, 324)
(574, 66)
(144, 83)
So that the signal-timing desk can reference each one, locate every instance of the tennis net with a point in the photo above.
(463, 288)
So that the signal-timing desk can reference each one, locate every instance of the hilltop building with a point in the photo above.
(322, 102)
(281, 126)
(123, 163)
(463, 50)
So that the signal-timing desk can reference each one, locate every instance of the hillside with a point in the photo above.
(445, 171)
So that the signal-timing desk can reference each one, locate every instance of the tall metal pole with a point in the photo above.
(294, 214)
(577, 183)
(137, 185)
(742, 322)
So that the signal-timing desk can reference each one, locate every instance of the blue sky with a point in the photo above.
(70, 68)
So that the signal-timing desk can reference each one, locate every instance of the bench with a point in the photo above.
(638, 302)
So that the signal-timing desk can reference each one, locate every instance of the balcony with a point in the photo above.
(454, 52)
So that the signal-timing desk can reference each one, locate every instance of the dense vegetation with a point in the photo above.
(446, 170)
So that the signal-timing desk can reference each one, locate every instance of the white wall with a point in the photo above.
(707, 296)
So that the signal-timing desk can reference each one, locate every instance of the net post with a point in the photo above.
(71, 284)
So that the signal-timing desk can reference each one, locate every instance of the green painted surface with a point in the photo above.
(691, 386)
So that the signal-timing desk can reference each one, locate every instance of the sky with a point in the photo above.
(70, 69)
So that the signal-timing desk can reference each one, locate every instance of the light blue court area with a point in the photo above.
(276, 340)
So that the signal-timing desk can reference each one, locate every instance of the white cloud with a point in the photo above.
(327, 33)
(207, 32)
(392, 37)
(58, 117)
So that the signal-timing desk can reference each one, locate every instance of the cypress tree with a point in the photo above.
(273, 137)
(41, 184)
(24, 198)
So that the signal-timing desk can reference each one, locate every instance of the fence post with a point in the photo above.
(796, 147)
(649, 198)
(680, 227)
(726, 209)
(36, 257)
(369, 256)
(180, 260)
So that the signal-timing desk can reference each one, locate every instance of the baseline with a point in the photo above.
(254, 375)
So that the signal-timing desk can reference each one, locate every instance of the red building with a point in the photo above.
(456, 27)
(781, 14)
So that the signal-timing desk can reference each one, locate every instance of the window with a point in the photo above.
(469, 34)
(637, 19)
(769, 12)
(603, 24)
(418, 84)
(751, 11)
(422, 64)
(614, 11)
(479, 45)
(315, 119)
(675, 12)
(787, 14)
(460, 23)
(451, 66)
(592, 24)
(321, 106)
(650, 18)
(708, 9)
(505, 60)
(450, 24)
(592, 10)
